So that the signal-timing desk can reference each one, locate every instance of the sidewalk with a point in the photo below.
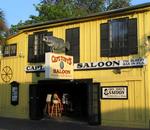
(51, 124)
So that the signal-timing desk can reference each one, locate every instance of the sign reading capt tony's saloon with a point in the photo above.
(115, 92)
(58, 66)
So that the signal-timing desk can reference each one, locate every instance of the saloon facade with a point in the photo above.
(110, 80)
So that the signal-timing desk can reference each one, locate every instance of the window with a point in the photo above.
(13, 50)
(37, 48)
(10, 50)
(6, 50)
(73, 37)
(119, 37)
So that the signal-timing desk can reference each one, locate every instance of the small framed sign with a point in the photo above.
(14, 93)
(114, 92)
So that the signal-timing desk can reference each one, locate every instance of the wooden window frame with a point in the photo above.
(119, 40)
(40, 48)
(74, 40)
(11, 50)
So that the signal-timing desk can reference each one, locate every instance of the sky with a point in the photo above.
(16, 10)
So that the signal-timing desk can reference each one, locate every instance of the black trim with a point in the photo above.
(31, 48)
(10, 50)
(41, 47)
(104, 39)
(118, 37)
(73, 37)
(132, 36)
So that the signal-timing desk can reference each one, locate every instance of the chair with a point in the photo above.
(56, 108)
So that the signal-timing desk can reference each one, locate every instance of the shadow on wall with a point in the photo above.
(129, 117)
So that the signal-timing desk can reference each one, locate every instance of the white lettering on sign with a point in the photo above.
(139, 62)
(63, 61)
(35, 68)
(115, 92)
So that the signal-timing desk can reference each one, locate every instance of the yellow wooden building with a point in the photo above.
(111, 65)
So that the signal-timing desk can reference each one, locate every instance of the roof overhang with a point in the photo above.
(107, 14)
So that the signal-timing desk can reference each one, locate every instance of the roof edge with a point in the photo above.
(121, 10)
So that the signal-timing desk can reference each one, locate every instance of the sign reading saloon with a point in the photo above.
(58, 66)
(110, 64)
(115, 92)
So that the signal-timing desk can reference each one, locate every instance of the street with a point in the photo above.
(52, 124)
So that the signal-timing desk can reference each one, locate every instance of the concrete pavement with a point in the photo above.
(51, 124)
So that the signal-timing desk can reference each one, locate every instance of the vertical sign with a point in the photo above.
(58, 66)
(14, 93)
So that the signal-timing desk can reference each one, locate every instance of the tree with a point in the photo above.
(59, 9)
(116, 4)
(3, 28)
(3, 31)
(14, 28)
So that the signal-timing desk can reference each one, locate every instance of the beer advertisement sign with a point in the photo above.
(58, 66)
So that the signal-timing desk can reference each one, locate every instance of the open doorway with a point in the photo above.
(81, 102)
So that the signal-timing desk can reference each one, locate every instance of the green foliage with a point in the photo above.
(3, 28)
(14, 28)
(60, 9)
(116, 4)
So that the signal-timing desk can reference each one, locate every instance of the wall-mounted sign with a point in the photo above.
(114, 92)
(14, 93)
(58, 66)
(110, 64)
(35, 68)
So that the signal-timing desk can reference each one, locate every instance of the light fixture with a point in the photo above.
(21, 54)
(117, 71)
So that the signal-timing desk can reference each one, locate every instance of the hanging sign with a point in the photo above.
(58, 66)
(116, 92)
(139, 62)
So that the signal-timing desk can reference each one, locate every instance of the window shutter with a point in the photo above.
(125, 50)
(13, 49)
(104, 45)
(31, 48)
(6, 50)
(69, 39)
(132, 36)
(118, 33)
(76, 50)
(42, 47)
(114, 28)
(46, 47)
(41, 54)
(73, 37)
